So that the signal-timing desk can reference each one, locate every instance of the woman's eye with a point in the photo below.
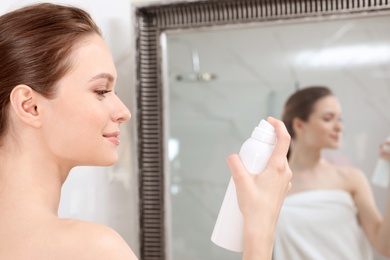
(102, 92)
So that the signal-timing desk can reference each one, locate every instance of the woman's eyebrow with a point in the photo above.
(107, 76)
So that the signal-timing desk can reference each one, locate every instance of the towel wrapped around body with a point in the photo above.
(320, 224)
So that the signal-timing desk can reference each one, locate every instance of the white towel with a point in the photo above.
(320, 224)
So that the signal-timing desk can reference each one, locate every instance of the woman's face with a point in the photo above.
(81, 124)
(323, 128)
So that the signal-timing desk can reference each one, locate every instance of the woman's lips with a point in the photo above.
(113, 137)
(335, 138)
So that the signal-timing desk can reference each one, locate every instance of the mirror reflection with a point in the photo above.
(222, 81)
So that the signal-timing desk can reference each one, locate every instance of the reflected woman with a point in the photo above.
(59, 110)
(330, 212)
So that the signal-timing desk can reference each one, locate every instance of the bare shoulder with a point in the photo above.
(86, 240)
(353, 176)
(350, 171)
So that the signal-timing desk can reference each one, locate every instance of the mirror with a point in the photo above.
(209, 71)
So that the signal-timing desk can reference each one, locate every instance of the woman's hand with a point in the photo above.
(385, 151)
(261, 196)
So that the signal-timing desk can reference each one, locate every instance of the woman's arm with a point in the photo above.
(260, 197)
(376, 227)
(384, 231)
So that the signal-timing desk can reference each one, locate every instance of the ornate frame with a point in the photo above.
(151, 22)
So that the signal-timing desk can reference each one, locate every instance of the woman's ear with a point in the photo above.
(24, 103)
(297, 125)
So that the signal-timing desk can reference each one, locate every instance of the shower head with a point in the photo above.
(196, 77)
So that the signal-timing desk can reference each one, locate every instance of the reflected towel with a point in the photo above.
(320, 224)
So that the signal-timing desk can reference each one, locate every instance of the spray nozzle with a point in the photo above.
(264, 132)
(265, 126)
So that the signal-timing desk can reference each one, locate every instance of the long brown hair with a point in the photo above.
(300, 105)
(36, 43)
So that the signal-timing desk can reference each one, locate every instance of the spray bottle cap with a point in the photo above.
(264, 132)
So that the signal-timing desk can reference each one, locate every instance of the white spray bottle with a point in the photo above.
(255, 152)
(381, 174)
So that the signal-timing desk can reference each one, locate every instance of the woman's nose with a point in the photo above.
(339, 126)
(122, 113)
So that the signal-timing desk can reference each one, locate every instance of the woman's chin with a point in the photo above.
(107, 160)
(332, 145)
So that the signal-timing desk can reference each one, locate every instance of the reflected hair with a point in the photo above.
(36, 43)
(301, 105)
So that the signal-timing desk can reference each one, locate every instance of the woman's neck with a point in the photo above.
(30, 182)
(304, 157)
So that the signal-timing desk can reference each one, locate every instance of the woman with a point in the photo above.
(58, 110)
(330, 212)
